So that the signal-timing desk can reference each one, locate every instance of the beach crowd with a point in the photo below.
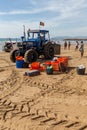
(78, 46)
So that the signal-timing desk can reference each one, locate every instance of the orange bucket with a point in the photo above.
(35, 65)
(63, 60)
(55, 65)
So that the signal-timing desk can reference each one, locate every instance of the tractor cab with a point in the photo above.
(38, 37)
(35, 39)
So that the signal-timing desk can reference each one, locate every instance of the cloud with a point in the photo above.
(15, 28)
(22, 12)
(64, 8)
(61, 17)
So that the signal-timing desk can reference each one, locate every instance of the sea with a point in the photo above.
(58, 40)
(2, 41)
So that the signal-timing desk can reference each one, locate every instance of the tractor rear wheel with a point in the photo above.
(49, 51)
(13, 55)
(30, 56)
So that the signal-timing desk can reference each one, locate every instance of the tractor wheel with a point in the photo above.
(49, 51)
(13, 55)
(30, 56)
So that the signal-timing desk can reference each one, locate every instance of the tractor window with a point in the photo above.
(47, 36)
(30, 35)
(33, 35)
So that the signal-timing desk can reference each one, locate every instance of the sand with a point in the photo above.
(44, 102)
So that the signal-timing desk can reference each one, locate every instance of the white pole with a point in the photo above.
(24, 32)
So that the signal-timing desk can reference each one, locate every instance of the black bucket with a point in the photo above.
(80, 71)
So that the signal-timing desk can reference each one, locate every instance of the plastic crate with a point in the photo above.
(32, 73)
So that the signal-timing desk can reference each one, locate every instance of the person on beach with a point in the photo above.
(69, 44)
(76, 45)
(81, 49)
(65, 45)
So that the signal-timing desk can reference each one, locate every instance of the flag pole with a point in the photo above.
(24, 32)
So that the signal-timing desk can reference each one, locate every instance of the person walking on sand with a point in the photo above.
(65, 45)
(76, 45)
(81, 49)
(69, 44)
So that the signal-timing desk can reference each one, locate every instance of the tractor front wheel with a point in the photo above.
(30, 56)
(13, 55)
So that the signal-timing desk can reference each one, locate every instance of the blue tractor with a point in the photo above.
(37, 43)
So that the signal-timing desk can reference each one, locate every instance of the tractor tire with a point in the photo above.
(49, 51)
(13, 55)
(30, 56)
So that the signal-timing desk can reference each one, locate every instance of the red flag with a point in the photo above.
(42, 23)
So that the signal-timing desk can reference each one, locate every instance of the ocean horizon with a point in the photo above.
(58, 39)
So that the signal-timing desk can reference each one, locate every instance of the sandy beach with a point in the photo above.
(43, 102)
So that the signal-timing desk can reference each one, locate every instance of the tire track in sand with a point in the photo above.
(11, 84)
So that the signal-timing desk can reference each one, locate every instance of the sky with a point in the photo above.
(61, 17)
